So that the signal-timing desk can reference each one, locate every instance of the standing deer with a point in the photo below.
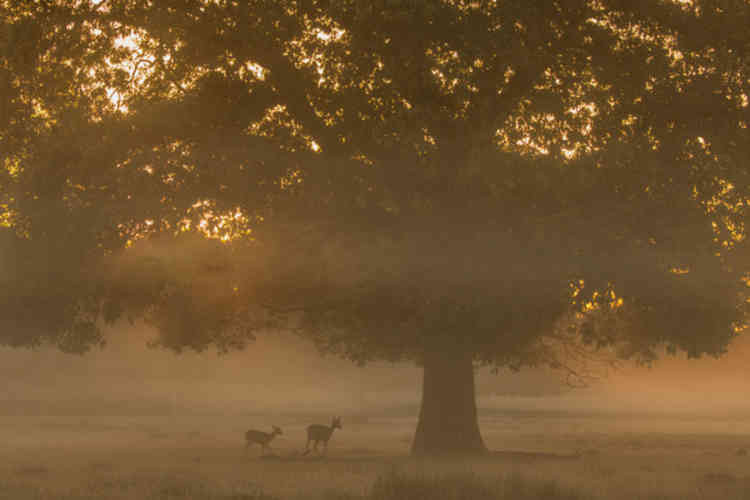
(318, 433)
(261, 438)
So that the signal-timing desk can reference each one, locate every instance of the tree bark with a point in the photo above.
(448, 416)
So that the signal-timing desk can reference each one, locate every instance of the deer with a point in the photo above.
(318, 433)
(262, 438)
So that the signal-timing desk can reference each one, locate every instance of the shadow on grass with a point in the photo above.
(332, 458)
(31, 470)
(531, 456)
(349, 457)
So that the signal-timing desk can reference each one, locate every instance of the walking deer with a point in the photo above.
(318, 433)
(262, 438)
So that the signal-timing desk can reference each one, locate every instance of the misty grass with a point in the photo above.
(139, 488)
(368, 463)
(393, 485)
(468, 486)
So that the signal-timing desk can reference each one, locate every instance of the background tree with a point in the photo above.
(504, 183)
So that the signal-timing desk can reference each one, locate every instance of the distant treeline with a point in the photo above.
(112, 408)
(149, 408)
(88, 408)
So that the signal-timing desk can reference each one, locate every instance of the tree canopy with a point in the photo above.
(522, 180)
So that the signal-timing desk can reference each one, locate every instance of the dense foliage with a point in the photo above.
(522, 180)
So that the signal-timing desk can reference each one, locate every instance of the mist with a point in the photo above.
(283, 373)
(374, 250)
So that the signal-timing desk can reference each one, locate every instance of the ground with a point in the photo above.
(599, 456)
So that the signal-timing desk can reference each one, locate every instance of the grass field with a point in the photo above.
(538, 456)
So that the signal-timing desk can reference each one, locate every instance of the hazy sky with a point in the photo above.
(283, 372)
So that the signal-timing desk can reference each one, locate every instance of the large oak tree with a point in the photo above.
(458, 183)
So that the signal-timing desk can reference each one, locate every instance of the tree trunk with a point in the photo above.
(448, 416)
